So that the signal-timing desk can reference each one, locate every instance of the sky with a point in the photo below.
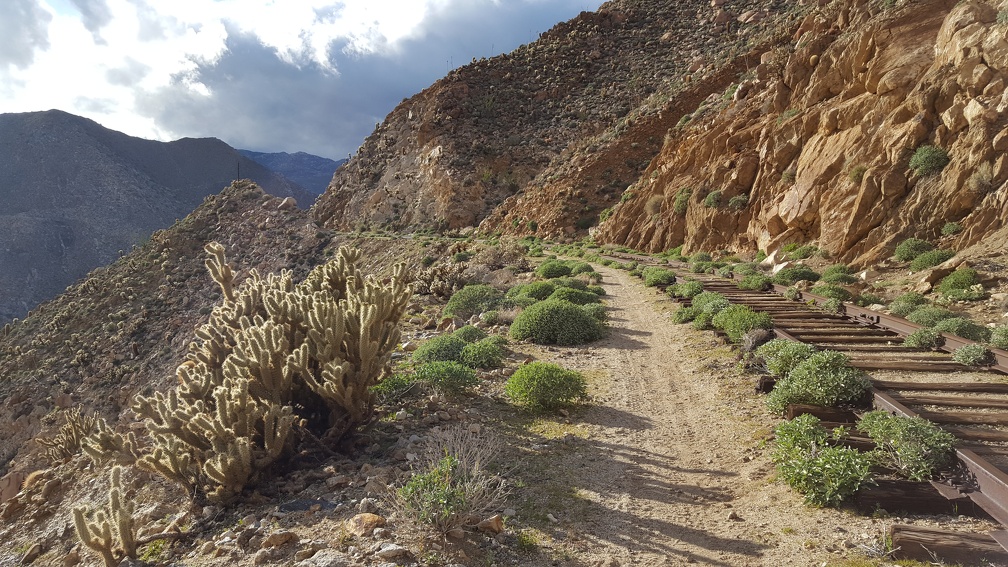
(264, 75)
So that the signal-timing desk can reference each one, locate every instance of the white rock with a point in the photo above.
(391, 551)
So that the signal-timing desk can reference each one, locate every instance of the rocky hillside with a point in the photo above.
(74, 195)
(452, 154)
(821, 142)
(309, 171)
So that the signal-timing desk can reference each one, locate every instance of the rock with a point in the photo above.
(552, 518)
(510, 512)
(32, 554)
(288, 204)
(277, 539)
(10, 485)
(72, 558)
(457, 533)
(734, 516)
(493, 525)
(401, 415)
(367, 505)
(264, 556)
(364, 524)
(391, 551)
(325, 558)
(207, 548)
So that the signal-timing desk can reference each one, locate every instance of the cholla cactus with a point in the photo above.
(100, 531)
(272, 346)
(67, 443)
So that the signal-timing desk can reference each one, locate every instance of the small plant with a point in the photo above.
(913, 446)
(962, 285)
(701, 257)
(738, 202)
(825, 378)
(596, 311)
(556, 322)
(906, 303)
(685, 314)
(393, 387)
(999, 337)
(492, 317)
(470, 333)
(472, 300)
(794, 274)
(792, 293)
(710, 302)
(928, 160)
(485, 353)
(831, 291)
(929, 316)
(553, 269)
(867, 299)
(448, 377)
(713, 199)
(681, 201)
(924, 338)
(856, 174)
(824, 474)
(459, 257)
(930, 259)
(757, 282)
(951, 229)
(963, 327)
(911, 248)
(782, 355)
(802, 252)
(973, 355)
(543, 386)
(655, 276)
(737, 320)
(839, 274)
(439, 349)
(789, 175)
(981, 181)
(575, 296)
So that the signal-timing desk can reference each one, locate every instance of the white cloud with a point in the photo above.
(116, 60)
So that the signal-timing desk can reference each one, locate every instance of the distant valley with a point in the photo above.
(309, 171)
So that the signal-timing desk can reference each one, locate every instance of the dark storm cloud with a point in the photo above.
(260, 103)
(95, 15)
(24, 27)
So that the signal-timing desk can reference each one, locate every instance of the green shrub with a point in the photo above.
(924, 338)
(469, 333)
(440, 348)
(537, 290)
(951, 228)
(825, 378)
(541, 385)
(492, 317)
(746, 268)
(906, 303)
(928, 160)
(433, 497)
(575, 296)
(485, 353)
(725, 272)
(446, 376)
(597, 311)
(782, 355)
(581, 268)
(999, 337)
(686, 289)
(866, 299)
(794, 274)
(962, 285)
(556, 322)
(802, 252)
(973, 355)
(702, 321)
(857, 173)
(831, 291)
(654, 276)
(713, 199)
(701, 257)
(572, 283)
(792, 293)
(461, 257)
(553, 269)
(931, 259)
(702, 267)
(596, 289)
(965, 328)
(826, 475)
(913, 446)
(929, 316)
(737, 320)
(758, 282)
(738, 202)
(681, 202)
(911, 248)
(710, 302)
(393, 387)
(472, 300)
(685, 314)
(839, 274)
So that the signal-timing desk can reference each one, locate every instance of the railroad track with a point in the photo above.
(975, 410)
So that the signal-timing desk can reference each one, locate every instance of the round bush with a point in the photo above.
(906, 303)
(973, 355)
(446, 376)
(710, 302)
(999, 337)
(686, 289)
(757, 282)
(962, 279)
(553, 269)
(685, 314)
(596, 311)
(782, 355)
(473, 300)
(839, 274)
(485, 353)
(794, 274)
(556, 322)
(575, 296)
(470, 333)
(569, 282)
(824, 378)
(928, 160)
(581, 268)
(965, 328)
(536, 290)
(911, 248)
(831, 291)
(737, 320)
(929, 316)
(541, 385)
(492, 317)
(924, 338)
(951, 228)
(440, 348)
(597, 290)
(654, 276)
(702, 321)
(930, 259)
(701, 257)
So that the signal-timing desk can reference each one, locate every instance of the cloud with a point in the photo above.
(95, 15)
(24, 27)
(129, 74)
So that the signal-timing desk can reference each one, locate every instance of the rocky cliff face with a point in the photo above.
(451, 155)
(816, 143)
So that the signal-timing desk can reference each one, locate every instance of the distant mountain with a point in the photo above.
(309, 171)
(73, 194)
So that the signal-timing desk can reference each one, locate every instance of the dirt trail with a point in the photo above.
(672, 471)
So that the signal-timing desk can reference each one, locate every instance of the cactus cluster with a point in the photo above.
(71, 437)
(109, 532)
(441, 280)
(275, 358)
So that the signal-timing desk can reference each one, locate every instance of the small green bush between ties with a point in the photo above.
(687, 289)
(825, 378)
(928, 160)
(782, 355)
(931, 259)
(737, 320)
(575, 296)
(485, 353)
(702, 321)
(556, 322)
(906, 303)
(929, 316)
(826, 475)
(655, 276)
(965, 328)
(924, 338)
(710, 302)
(999, 337)
(951, 229)
(756, 282)
(794, 274)
(973, 355)
(448, 377)
(553, 269)
(543, 386)
(911, 248)
(440, 348)
(831, 291)
(685, 314)
(581, 268)
(913, 446)
(472, 300)
(701, 257)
